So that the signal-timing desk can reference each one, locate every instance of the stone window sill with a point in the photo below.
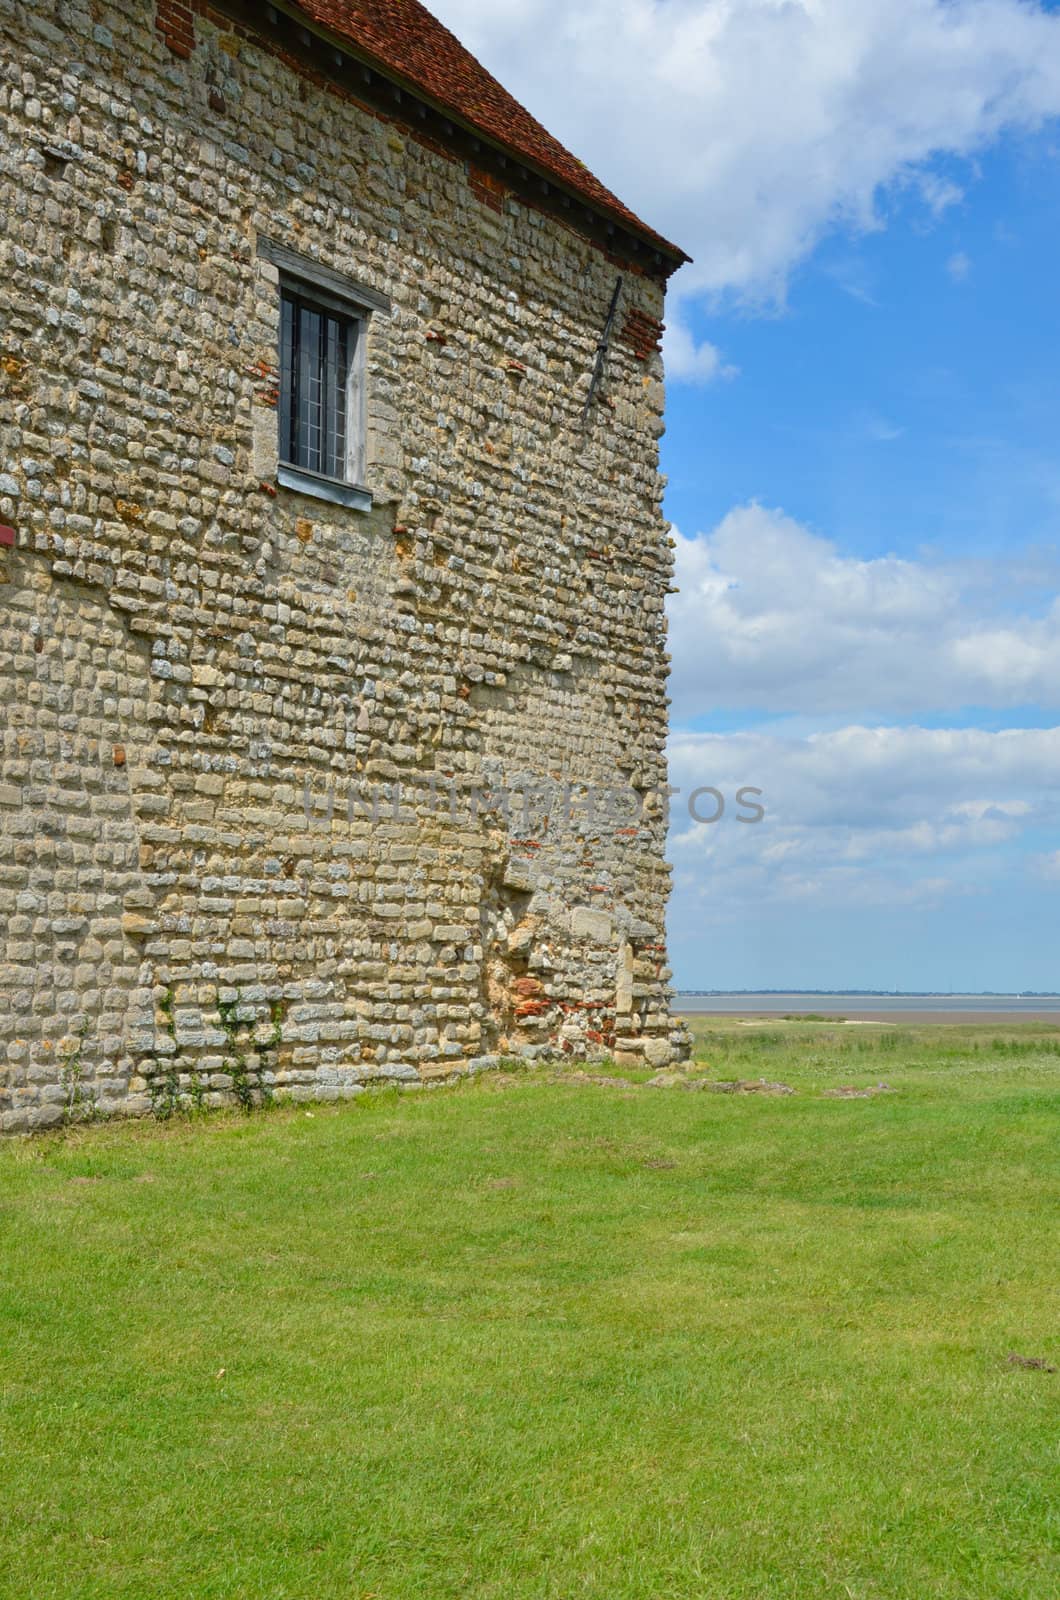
(352, 495)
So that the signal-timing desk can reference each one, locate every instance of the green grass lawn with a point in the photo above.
(532, 1338)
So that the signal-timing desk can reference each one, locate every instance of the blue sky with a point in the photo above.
(863, 452)
(905, 400)
(893, 402)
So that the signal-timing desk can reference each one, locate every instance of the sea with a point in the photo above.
(882, 1005)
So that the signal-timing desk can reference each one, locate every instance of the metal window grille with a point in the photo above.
(316, 351)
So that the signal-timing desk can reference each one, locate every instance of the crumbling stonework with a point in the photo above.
(210, 681)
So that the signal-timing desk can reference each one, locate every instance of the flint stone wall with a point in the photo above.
(203, 674)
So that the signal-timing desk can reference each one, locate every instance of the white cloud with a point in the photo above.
(746, 129)
(939, 193)
(862, 815)
(692, 362)
(772, 617)
(882, 779)
(959, 266)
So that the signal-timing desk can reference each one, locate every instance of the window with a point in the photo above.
(319, 413)
(324, 318)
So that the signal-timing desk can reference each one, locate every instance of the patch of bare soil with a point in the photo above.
(1031, 1363)
(750, 1086)
(598, 1078)
(849, 1092)
(490, 1081)
(669, 1079)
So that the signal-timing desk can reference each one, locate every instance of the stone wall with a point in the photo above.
(209, 681)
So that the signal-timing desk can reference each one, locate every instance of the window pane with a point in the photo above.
(336, 374)
(287, 379)
(309, 389)
(316, 349)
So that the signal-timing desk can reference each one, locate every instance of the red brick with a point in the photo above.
(176, 24)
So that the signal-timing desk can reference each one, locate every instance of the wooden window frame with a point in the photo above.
(305, 284)
(333, 446)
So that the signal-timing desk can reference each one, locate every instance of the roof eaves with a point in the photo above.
(617, 214)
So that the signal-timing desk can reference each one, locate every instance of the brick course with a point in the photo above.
(176, 24)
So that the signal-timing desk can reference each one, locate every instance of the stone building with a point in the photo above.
(332, 566)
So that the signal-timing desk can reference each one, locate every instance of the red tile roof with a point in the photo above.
(404, 40)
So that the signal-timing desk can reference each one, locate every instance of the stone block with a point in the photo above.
(586, 923)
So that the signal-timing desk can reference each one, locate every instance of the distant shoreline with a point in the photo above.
(866, 1005)
(871, 994)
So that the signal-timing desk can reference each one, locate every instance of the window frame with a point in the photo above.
(322, 289)
(351, 401)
